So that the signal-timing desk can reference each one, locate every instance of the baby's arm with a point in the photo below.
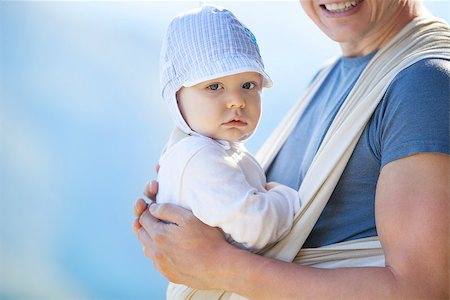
(218, 193)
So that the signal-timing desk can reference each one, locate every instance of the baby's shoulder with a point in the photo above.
(199, 143)
(191, 146)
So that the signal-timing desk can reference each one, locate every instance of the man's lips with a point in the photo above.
(340, 7)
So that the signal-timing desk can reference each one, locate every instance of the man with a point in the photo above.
(394, 186)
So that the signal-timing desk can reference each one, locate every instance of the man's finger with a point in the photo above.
(146, 242)
(170, 213)
(151, 189)
(139, 207)
(136, 226)
(143, 236)
(149, 222)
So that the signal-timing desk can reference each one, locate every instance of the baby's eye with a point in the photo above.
(215, 86)
(248, 85)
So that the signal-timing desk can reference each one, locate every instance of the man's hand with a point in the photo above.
(184, 250)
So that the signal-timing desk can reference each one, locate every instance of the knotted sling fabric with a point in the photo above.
(422, 38)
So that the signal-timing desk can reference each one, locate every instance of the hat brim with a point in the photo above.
(267, 82)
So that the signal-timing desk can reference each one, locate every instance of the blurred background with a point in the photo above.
(82, 125)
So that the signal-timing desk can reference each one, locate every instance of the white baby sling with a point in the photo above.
(421, 38)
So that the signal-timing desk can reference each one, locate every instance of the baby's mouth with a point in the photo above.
(235, 122)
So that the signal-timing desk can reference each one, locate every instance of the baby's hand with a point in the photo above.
(271, 185)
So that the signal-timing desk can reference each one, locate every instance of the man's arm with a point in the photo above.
(412, 215)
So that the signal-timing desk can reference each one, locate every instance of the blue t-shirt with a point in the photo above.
(412, 117)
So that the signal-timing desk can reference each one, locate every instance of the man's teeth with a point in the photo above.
(341, 7)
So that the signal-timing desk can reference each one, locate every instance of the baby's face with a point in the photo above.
(225, 108)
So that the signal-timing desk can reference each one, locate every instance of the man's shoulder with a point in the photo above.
(428, 69)
(422, 81)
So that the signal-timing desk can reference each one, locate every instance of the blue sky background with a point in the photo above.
(82, 125)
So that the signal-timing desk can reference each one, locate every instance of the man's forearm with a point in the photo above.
(258, 277)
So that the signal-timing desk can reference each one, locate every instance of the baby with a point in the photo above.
(212, 77)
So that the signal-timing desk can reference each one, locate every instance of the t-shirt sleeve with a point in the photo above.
(414, 114)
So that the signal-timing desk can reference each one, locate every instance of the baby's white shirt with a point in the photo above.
(223, 185)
